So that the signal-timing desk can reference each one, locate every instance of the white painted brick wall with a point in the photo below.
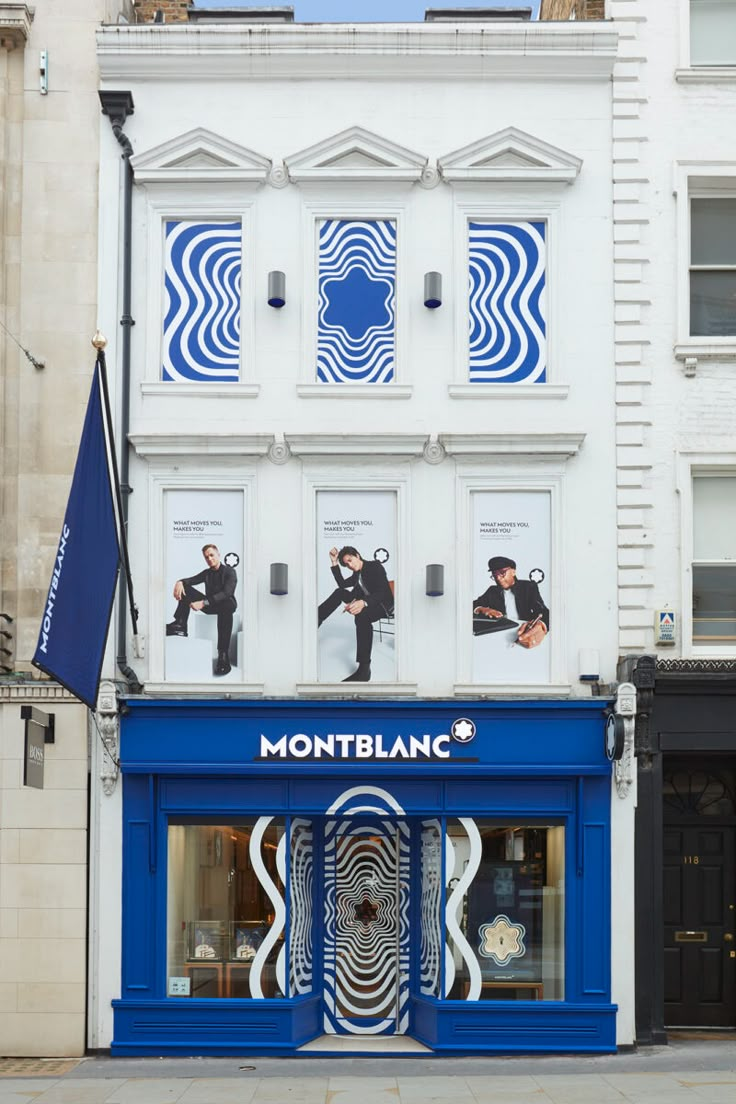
(687, 416)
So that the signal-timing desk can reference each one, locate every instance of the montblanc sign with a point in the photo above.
(376, 746)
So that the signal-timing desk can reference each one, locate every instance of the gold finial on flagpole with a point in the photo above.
(99, 341)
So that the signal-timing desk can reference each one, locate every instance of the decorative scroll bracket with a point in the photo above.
(623, 768)
(108, 725)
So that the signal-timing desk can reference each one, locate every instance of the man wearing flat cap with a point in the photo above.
(515, 599)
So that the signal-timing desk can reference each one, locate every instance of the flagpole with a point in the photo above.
(101, 363)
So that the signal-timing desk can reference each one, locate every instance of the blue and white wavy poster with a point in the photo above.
(357, 284)
(507, 322)
(202, 265)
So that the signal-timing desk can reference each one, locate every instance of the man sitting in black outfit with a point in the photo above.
(368, 597)
(219, 581)
(518, 599)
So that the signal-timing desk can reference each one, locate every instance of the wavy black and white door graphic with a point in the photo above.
(430, 956)
(366, 959)
(301, 889)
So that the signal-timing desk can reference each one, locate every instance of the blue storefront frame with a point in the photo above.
(530, 760)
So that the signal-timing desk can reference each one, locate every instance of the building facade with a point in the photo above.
(371, 431)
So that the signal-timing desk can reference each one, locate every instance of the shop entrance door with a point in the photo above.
(366, 951)
(699, 900)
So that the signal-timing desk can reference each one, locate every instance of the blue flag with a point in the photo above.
(76, 615)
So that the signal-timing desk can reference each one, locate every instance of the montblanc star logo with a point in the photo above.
(536, 575)
(381, 554)
(463, 730)
(232, 559)
(501, 941)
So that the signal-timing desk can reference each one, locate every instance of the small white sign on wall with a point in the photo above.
(665, 627)
(180, 986)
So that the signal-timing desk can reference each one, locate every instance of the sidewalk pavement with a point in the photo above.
(686, 1072)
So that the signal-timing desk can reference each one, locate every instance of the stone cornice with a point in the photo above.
(516, 444)
(357, 444)
(180, 445)
(35, 690)
(15, 25)
(401, 51)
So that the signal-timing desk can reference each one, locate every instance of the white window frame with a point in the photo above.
(355, 476)
(687, 72)
(698, 180)
(510, 477)
(222, 203)
(473, 206)
(382, 205)
(689, 466)
(191, 476)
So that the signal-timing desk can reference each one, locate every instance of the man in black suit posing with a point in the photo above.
(368, 598)
(517, 599)
(219, 581)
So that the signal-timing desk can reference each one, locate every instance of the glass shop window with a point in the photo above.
(506, 911)
(714, 560)
(225, 909)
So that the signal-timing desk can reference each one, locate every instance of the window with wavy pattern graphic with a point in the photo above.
(202, 273)
(507, 311)
(357, 285)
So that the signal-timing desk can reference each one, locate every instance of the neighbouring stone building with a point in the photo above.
(49, 157)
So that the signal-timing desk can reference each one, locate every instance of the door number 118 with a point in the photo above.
(694, 859)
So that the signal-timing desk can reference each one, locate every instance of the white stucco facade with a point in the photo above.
(429, 126)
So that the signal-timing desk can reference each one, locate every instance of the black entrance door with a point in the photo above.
(699, 905)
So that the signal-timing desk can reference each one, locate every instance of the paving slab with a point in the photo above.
(416, 1090)
(22, 1090)
(291, 1090)
(580, 1088)
(523, 1096)
(149, 1091)
(220, 1090)
(366, 1094)
(73, 1091)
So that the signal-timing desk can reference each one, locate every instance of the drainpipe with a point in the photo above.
(118, 106)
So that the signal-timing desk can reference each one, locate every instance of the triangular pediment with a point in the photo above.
(200, 155)
(510, 154)
(355, 154)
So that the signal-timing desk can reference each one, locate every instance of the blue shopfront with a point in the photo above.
(295, 871)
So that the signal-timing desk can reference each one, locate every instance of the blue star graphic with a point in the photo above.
(357, 302)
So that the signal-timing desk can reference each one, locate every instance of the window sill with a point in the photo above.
(508, 391)
(356, 689)
(706, 74)
(353, 391)
(506, 690)
(214, 390)
(703, 349)
(205, 689)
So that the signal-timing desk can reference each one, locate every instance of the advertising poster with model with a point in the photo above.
(356, 581)
(203, 580)
(511, 558)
